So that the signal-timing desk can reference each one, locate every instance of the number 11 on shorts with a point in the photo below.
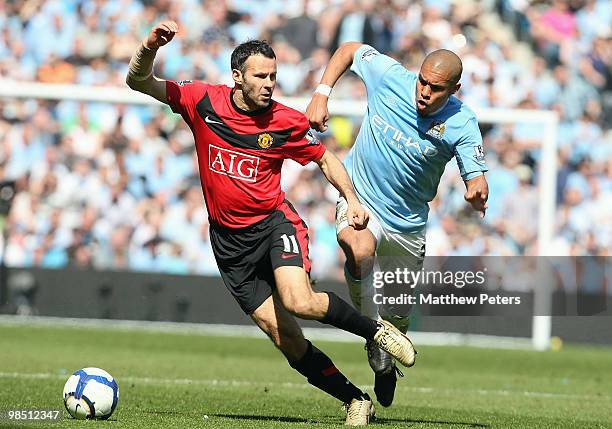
(290, 244)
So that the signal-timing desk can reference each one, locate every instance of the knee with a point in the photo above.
(363, 257)
(302, 308)
(307, 305)
(359, 253)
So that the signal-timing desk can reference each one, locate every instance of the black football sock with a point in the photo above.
(342, 315)
(321, 372)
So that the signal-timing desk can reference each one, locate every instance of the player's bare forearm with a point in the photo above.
(477, 193)
(336, 174)
(140, 74)
(152, 86)
(340, 62)
(342, 59)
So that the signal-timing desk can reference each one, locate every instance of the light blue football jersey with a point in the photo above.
(399, 157)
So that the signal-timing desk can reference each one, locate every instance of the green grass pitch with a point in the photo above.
(169, 380)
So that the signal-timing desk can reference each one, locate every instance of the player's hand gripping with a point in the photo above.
(317, 113)
(161, 34)
(477, 194)
(356, 215)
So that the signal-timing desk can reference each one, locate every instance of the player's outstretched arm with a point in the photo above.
(317, 112)
(140, 75)
(477, 193)
(335, 172)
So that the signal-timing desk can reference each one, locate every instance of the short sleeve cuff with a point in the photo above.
(473, 174)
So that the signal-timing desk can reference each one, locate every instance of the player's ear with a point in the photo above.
(237, 76)
(456, 88)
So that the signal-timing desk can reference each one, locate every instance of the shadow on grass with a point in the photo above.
(383, 420)
(263, 418)
(377, 421)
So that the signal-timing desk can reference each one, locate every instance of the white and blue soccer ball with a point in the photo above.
(91, 393)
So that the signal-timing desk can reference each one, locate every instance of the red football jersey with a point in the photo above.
(240, 154)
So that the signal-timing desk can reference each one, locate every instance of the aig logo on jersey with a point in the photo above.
(265, 140)
(234, 164)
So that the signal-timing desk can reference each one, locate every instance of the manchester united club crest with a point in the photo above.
(436, 129)
(264, 140)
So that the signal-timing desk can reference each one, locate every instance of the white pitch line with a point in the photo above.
(247, 383)
(242, 331)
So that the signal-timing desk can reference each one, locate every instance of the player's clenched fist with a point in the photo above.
(477, 194)
(356, 215)
(161, 34)
(317, 112)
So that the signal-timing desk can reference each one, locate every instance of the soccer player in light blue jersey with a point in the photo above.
(412, 128)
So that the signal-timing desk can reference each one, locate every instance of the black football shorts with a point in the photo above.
(247, 257)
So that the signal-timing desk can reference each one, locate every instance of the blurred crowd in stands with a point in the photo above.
(116, 186)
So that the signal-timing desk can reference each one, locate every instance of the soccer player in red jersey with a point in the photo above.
(260, 242)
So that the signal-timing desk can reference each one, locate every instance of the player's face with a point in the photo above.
(258, 80)
(433, 88)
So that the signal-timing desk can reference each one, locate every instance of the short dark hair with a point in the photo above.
(251, 47)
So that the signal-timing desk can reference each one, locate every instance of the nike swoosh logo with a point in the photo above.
(291, 255)
(210, 121)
